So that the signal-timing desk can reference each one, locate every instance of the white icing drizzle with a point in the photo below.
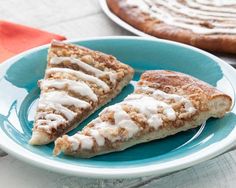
(77, 87)
(85, 141)
(102, 130)
(61, 97)
(85, 66)
(80, 75)
(74, 143)
(155, 121)
(149, 106)
(52, 120)
(108, 131)
(216, 2)
(54, 117)
(196, 5)
(191, 15)
(98, 137)
(97, 72)
(70, 115)
(177, 98)
(123, 120)
(152, 106)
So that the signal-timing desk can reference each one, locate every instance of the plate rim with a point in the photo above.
(158, 169)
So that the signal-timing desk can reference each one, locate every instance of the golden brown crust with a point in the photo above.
(144, 22)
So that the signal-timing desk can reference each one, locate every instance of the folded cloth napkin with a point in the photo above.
(15, 38)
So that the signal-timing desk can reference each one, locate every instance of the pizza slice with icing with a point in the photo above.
(77, 82)
(163, 103)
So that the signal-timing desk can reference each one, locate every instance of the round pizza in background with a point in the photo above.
(206, 24)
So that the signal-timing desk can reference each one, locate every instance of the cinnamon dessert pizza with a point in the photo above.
(163, 103)
(206, 24)
(77, 82)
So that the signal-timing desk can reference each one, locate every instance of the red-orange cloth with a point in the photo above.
(15, 38)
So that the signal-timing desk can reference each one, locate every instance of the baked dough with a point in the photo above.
(163, 103)
(210, 25)
(77, 82)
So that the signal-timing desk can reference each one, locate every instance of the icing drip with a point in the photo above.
(216, 2)
(155, 121)
(52, 120)
(177, 98)
(99, 139)
(108, 131)
(97, 72)
(122, 120)
(85, 141)
(191, 14)
(70, 115)
(74, 143)
(77, 87)
(80, 75)
(148, 105)
(195, 4)
(60, 97)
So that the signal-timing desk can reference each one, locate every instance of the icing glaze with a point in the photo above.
(155, 121)
(51, 120)
(122, 120)
(80, 75)
(148, 105)
(61, 97)
(177, 98)
(85, 141)
(216, 2)
(152, 106)
(74, 143)
(191, 14)
(58, 109)
(97, 72)
(100, 140)
(77, 87)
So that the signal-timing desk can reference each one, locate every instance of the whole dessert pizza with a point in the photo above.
(206, 24)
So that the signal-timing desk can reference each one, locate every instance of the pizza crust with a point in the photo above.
(144, 22)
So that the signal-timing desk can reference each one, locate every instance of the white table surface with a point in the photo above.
(84, 18)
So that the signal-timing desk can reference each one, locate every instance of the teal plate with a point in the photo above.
(19, 94)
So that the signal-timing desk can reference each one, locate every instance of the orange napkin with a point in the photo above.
(15, 38)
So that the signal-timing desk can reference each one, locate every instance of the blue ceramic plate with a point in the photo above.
(19, 92)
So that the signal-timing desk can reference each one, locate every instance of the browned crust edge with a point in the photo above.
(152, 26)
(188, 84)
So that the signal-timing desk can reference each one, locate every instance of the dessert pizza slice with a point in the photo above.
(77, 82)
(163, 103)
